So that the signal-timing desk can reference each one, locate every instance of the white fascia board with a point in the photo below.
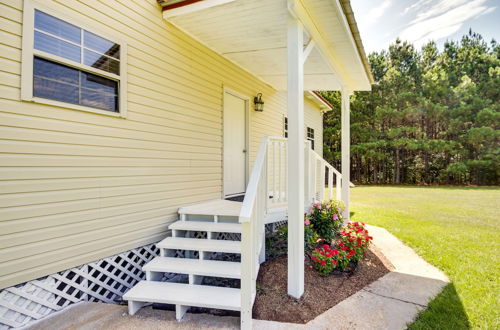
(318, 101)
(191, 8)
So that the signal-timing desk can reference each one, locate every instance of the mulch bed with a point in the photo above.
(321, 292)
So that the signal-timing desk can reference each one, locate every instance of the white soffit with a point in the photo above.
(253, 34)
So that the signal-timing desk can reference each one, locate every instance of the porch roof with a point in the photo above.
(253, 34)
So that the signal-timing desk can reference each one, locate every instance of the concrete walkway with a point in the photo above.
(391, 302)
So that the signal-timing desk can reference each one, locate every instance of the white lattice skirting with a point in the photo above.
(105, 280)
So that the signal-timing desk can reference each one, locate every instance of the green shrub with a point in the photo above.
(325, 219)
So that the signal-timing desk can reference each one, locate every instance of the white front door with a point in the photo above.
(234, 144)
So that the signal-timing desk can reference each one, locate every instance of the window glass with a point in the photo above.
(50, 70)
(99, 100)
(99, 92)
(101, 45)
(57, 47)
(102, 62)
(59, 82)
(57, 27)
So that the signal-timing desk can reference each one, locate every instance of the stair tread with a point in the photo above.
(220, 227)
(215, 207)
(185, 294)
(194, 266)
(200, 244)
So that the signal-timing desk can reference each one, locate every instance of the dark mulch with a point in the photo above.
(321, 292)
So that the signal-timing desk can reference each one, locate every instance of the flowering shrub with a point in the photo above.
(324, 259)
(355, 239)
(325, 219)
(350, 247)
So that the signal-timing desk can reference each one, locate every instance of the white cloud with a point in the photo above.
(442, 7)
(375, 13)
(417, 6)
(442, 20)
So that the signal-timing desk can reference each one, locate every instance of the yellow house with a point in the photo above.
(119, 118)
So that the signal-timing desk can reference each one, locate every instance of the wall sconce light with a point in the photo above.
(258, 103)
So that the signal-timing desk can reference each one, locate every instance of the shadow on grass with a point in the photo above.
(446, 311)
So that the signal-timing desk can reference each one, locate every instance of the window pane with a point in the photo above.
(57, 27)
(57, 47)
(98, 83)
(61, 83)
(53, 90)
(99, 100)
(101, 45)
(102, 62)
(46, 69)
(99, 92)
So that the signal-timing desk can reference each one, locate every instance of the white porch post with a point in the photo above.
(346, 150)
(295, 192)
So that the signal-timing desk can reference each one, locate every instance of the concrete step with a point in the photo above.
(200, 244)
(214, 227)
(182, 295)
(192, 267)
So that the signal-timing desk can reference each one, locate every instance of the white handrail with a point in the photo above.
(252, 214)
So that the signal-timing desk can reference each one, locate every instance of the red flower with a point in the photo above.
(335, 252)
(326, 246)
(335, 262)
(323, 262)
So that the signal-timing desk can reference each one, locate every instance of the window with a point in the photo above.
(310, 136)
(285, 127)
(67, 65)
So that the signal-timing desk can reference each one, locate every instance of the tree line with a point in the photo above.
(432, 116)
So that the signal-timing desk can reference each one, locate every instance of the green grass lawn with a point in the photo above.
(456, 230)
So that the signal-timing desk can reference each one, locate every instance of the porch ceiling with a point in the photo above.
(253, 34)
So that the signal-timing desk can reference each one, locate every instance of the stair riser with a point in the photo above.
(170, 252)
(210, 234)
(212, 218)
(152, 275)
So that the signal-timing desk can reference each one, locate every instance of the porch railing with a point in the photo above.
(266, 192)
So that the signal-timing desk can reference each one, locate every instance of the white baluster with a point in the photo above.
(330, 183)
(322, 180)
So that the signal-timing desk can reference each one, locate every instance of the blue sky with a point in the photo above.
(381, 21)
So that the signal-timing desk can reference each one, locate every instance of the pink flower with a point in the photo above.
(335, 217)
(307, 222)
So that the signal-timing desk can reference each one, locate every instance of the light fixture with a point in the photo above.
(258, 103)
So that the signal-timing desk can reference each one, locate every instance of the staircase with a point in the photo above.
(230, 227)
(182, 253)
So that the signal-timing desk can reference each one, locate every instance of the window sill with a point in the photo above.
(59, 104)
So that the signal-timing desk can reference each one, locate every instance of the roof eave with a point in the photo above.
(353, 26)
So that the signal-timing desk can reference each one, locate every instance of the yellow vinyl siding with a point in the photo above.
(77, 186)
(313, 118)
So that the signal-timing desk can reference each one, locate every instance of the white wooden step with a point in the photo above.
(194, 267)
(219, 207)
(215, 227)
(200, 244)
(182, 295)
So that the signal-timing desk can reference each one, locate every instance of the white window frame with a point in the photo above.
(29, 52)
(313, 138)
